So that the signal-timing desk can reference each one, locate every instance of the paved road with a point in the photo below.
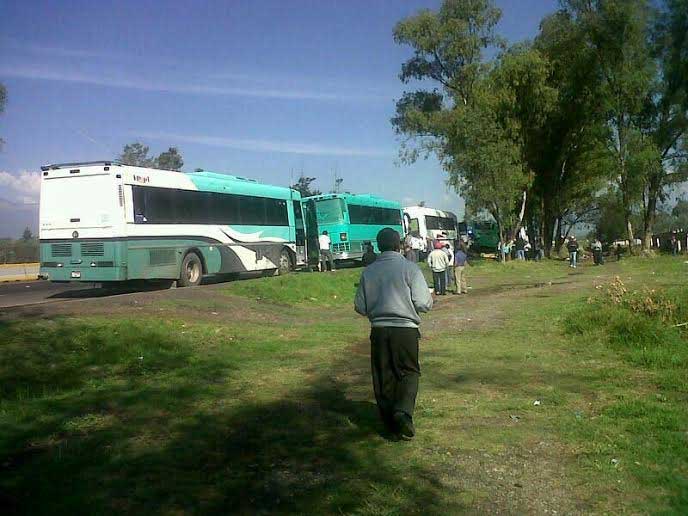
(18, 271)
(20, 293)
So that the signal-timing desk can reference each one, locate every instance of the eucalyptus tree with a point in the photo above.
(473, 115)
(666, 111)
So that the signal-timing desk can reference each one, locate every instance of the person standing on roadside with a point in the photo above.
(392, 293)
(520, 248)
(438, 261)
(449, 271)
(537, 250)
(460, 264)
(326, 259)
(674, 244)
(572, 248)
(597, 252)
(369, 256)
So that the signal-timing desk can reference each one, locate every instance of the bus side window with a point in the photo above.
(414, 227)
(139, 195)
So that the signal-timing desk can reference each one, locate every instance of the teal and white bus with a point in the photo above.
(107, 222)
(352, 221)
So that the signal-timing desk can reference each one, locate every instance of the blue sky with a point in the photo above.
(255, 88)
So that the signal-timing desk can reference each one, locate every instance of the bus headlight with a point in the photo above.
(343, 237)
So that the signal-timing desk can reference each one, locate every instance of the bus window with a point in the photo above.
(440, 223)
(330, 211)
(373, 215)
(414, 227)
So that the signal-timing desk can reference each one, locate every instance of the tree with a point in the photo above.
(487, 144)
(665, 117)
(467, 119)
(171, 159)
(136, 155)
(564, 151)
(618, 31)
(303, 185)
(27, 234)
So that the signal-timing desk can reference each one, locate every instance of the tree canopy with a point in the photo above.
(136, 154)
(545, 133)
(171, 159)
(303, 186)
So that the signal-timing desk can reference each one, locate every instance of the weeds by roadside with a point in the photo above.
(645, 327)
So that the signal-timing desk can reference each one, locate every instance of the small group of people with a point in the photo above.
(521, 248)
(449, 267)
(573, 248)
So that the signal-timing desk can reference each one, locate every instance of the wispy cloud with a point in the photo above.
(46, 74)
(20, 189)
(271, 145)
(53, 51)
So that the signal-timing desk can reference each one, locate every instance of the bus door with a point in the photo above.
(311, 220)
(407, 224)
(300, 227)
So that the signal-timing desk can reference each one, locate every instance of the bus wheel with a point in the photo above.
(284, 263)
(192, 271)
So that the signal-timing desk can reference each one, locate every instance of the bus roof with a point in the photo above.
(214, 182)
(358, 199)
(203, 180)
(425, 210)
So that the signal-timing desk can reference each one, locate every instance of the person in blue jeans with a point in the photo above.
(520, 249)
(572, 248)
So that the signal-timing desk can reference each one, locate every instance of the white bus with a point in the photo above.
(106, 222)
(431, 224)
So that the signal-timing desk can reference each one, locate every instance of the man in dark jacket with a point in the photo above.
(572, 248)
(369, 256)
(391, 293)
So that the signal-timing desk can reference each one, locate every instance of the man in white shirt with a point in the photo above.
(326, 258)
(438, 262)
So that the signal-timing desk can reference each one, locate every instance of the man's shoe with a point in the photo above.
(405, 425)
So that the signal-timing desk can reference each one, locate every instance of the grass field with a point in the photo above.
(545, 390)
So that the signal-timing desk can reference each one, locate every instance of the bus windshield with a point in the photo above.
(330, 211)
(441, 223)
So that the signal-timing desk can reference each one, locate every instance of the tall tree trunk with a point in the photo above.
(549, 221)
(559, 240)
(650, 213)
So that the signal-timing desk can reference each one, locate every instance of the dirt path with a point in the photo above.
(529, 471)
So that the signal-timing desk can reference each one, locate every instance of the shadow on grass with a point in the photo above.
(90, 426)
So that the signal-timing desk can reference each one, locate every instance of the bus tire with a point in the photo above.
(191, 272)
(285, 263)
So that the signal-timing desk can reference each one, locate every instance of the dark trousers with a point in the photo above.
(439, 279)
(326, 259)
(394, 362)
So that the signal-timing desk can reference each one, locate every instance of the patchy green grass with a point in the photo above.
(255, 397)
(315, 289)
(645, 328)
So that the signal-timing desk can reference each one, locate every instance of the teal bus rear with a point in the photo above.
(485, 236)
(352, 221)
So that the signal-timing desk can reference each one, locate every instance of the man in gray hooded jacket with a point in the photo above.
(391, 293)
